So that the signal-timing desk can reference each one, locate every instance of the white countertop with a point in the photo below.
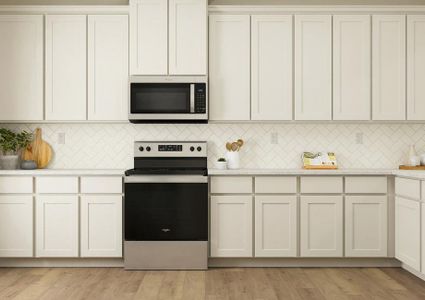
(301, 172)
(410, 174)
(116, 172)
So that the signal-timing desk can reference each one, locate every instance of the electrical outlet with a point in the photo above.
(359, 138)
(274, 138)
(61, 138)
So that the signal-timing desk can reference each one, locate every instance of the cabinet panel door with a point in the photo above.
(16, 226)
(366, 226)
(229, 67)
(66, 68)
(101, 226)
(108, 68)
(275, 226)
(313, 67)
(21, 68)
(57, 226)
(415, 67)
(423, 237)
(351, 67)
(389, 67)
(188, 37)
(231, 226)
(149, 37)
(271, 72)
(321, 222)
(407, 232)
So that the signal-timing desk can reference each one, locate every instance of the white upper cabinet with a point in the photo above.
(271, 63)
(313, 67)
(415, 67)
(229, 67)
(107, 67)
(66, 67)
(351, 67)
(21, 68)
(388, 67)
(188, 37)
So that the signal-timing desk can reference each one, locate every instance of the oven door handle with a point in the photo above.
(166, 179)
(192, 98)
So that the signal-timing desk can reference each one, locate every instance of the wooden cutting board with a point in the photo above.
(39, 151)
(404, 167)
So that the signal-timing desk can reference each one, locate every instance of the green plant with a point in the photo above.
(11, 142)
(222, 159)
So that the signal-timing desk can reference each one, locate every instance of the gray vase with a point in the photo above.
(28, 165)
(9, 162)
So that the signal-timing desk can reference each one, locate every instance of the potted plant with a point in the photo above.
(221, 163)
(11, 144)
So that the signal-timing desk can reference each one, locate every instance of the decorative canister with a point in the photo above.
(233, 159)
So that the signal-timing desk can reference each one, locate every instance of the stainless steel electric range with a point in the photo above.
(166, 206)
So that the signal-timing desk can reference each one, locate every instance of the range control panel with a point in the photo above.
(170, 149)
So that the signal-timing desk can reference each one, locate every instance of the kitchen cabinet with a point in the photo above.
(56, 226)
(229, 67)
(321, 184)
(101, 226)
(107, 67)
(231, 226)
(366, 226)
(423, 237)
(313, 67)
(21, 68)
(351, 67)
(16, 226)
(415, 67)
(231, 185)
(389, 67)
(321, 225)
(271, 63)
(276, 226)
(66, 68)
(275, 185)
(366, 185)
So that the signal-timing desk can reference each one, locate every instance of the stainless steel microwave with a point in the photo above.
(168, 99)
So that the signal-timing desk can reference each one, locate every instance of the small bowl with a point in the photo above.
(221, 165)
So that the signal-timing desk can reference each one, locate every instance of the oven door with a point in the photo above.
(166, 208)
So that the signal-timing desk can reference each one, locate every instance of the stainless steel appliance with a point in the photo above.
(166, 206)
(168, 99)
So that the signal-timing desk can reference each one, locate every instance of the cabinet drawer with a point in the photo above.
(16, 185)
(409, 188)
(231, 184)
(321, 185)
(366, 184)
(276, 185)
(56, 185)
(101, 185)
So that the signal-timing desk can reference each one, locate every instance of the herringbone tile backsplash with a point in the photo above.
(110, 146)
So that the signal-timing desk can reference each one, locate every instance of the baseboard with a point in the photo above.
(413, 271)
(61, 262)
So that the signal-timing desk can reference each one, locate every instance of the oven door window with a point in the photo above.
(160, 98)
(166, 212)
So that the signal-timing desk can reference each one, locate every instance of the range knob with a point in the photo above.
(192, 148)
(141, 148)
(148, 148)
(199, 148)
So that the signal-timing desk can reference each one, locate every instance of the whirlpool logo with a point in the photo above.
(165, 229)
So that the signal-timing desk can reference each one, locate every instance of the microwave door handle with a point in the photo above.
(192, 98)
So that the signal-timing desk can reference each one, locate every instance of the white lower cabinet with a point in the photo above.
(321, 224)
(423, 238)
(231, 226)
(366, 226)
(16, 226)
(276, 226)
(101, 226)
(57, 226)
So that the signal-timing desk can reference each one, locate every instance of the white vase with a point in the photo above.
(221, 165)
(413, 158)
(232, 159)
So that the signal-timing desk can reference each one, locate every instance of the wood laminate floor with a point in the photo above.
(234, 283)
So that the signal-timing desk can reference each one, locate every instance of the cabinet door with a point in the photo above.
(407, 232)
(313, 67)
(101, 226)
(66, 68)
(21, 68)
(57, 226)
(415, 67)
(107, 68)
(16, 226)
(148, 37)
(423, 237)
(229, 66)
(275, 226)
(366, 226)
(271, 72)
(321, 222)
(389, 67)
(351, 67)
(231, 226)
(188, 37)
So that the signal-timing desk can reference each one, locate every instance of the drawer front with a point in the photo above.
(16, 185)
(366, 184)
(56, 185)
(101, 185)
(409, 188)
(321, 185)
(276, 185)
(231, 185)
